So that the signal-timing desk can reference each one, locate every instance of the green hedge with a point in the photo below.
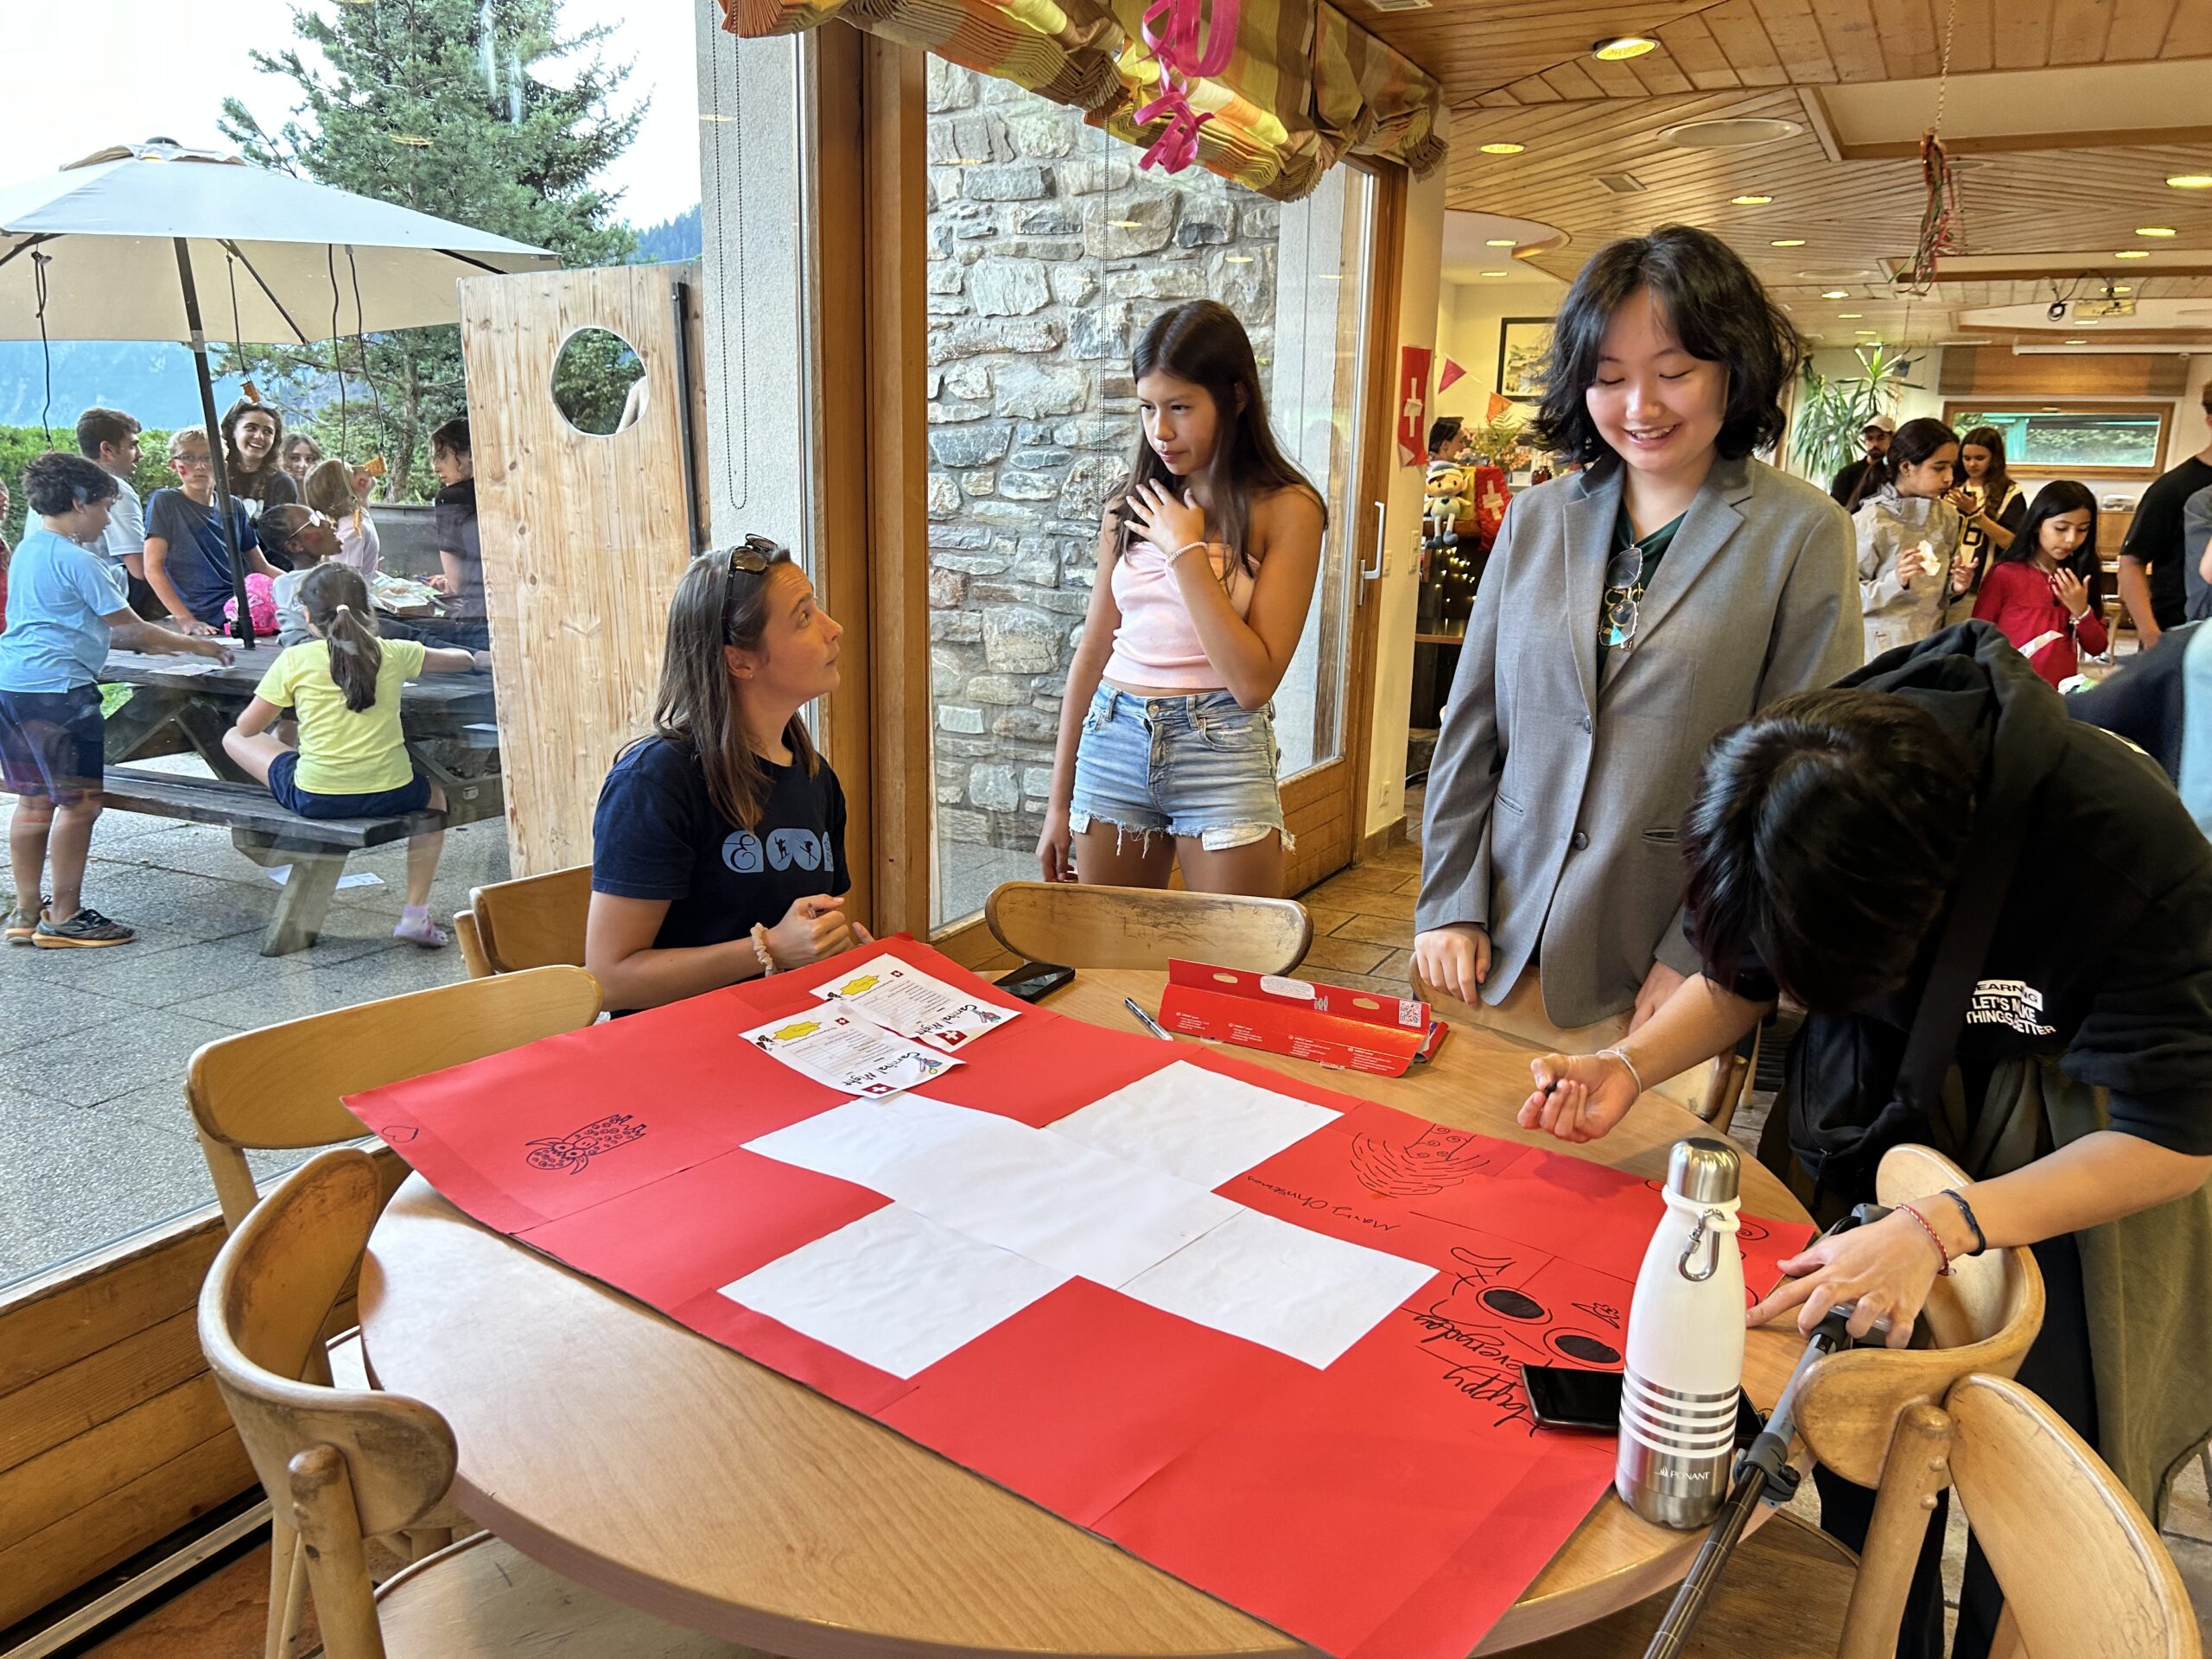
(18, 444)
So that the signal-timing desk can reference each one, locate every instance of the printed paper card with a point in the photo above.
(853, 1055)
(902, 998)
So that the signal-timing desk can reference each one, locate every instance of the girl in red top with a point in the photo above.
(2032, 593)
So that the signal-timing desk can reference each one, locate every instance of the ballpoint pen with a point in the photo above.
(1146, 1019)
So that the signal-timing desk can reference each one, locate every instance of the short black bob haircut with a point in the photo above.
(1822, 841)
(58, 482)
(1717, 309)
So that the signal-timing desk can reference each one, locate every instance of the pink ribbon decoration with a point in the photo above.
(1170, 28)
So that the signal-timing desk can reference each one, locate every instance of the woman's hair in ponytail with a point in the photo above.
(336, 600)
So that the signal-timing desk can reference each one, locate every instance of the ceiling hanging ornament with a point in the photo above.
(1939, 219)
(1170, 30)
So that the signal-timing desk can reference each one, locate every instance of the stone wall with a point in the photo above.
(1048, 254)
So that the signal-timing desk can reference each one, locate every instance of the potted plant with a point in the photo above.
(1832, 412)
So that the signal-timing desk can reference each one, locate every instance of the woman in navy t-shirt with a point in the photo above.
(719, 841)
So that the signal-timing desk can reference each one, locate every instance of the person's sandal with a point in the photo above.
(423, 931)
(22, 923)
(86, 927)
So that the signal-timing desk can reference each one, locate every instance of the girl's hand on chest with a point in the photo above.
(1165, 521)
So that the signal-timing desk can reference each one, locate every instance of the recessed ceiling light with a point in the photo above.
(2050, 408)
(1849, 316)
(1789, 242)
(1490, 273)
(2123, 289)
(1729, 132)
(2189, 181)
(1873, 332)
(1622, 48)
(1834, 294)
(2154, 230)
(1501, 242)
(2077, 340)
(2133, 253)
(1748, 201)
(1502, 149)
(2090, 323)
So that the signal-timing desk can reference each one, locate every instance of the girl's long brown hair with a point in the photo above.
(1202, 341)
(716, 605)
(245, 485)
(336, 600)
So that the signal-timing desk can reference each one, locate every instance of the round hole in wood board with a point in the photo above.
(599, 382)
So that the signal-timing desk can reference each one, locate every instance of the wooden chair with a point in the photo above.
(342, 1465)
(279, 1089)
(2083, 1570)
(1875, 1416)
(1082, 926)
(535, 921)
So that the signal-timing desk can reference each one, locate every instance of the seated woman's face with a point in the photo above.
(1658, 407)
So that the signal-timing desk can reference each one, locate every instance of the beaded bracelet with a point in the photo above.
(1980, 1239)
(760, 950)
(1943, 1271)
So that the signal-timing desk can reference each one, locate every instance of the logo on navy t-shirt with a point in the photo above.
(786, 849)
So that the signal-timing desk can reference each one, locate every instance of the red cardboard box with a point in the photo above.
(1356, 1030)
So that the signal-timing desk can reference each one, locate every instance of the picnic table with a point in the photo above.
(447, 721)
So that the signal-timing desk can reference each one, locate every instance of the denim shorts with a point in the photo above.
(51, 743)
(411, 796)
(1190, 766)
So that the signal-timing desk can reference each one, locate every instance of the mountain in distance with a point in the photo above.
(153, 379)
(671, 241)
(150, 378)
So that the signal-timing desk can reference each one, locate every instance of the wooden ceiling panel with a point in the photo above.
(1580, 119)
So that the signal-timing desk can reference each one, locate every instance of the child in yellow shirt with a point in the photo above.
(343, 684)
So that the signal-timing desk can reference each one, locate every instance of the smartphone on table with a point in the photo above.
(1034, 981)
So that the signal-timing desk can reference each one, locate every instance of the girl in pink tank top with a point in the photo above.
(1206, 565)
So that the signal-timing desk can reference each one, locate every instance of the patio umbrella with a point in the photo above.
(129, 242)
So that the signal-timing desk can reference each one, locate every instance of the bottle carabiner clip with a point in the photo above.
(1706, 1234)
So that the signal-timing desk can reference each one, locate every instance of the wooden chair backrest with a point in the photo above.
(2083, 1571)
(535, 921)
(472, 944)
(262, 1309)
(340, 1465)
(280, 1087)
(1083, 926)
(1981, 1318)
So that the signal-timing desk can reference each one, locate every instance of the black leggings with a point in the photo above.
(2058, 1369)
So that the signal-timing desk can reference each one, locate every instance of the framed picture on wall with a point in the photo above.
(1521, 344)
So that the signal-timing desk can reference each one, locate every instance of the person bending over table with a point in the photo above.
(1909, 855)
(65, 605)
(718, 848)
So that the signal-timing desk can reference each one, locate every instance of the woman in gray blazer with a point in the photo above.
(1629, 612)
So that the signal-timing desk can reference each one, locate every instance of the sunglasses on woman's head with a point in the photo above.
(754, 555)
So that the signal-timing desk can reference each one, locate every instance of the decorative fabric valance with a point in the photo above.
(1303, 87)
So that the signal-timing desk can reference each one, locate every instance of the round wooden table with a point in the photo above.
(669, 1472)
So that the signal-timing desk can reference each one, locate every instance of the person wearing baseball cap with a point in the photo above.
(1848, 487)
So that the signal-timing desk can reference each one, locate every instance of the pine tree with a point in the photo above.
(437, 105)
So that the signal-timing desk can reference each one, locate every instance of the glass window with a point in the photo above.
(2125, 439)
(1048, 252)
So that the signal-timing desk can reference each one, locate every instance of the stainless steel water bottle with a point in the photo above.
(1685, 1346)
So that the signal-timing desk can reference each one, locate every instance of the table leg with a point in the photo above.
(133, 727)
(205, 727)
(308, 891)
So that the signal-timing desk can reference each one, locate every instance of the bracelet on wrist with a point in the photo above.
(1974, 1226)
(760, 950)
(1936, 1238)
(1635, 1075)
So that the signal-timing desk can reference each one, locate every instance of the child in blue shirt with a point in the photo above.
(65, 604)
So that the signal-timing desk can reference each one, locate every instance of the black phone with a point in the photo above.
(1591, 1400)
(1033, 980)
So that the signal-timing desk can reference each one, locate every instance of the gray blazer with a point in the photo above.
(1559, 781)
